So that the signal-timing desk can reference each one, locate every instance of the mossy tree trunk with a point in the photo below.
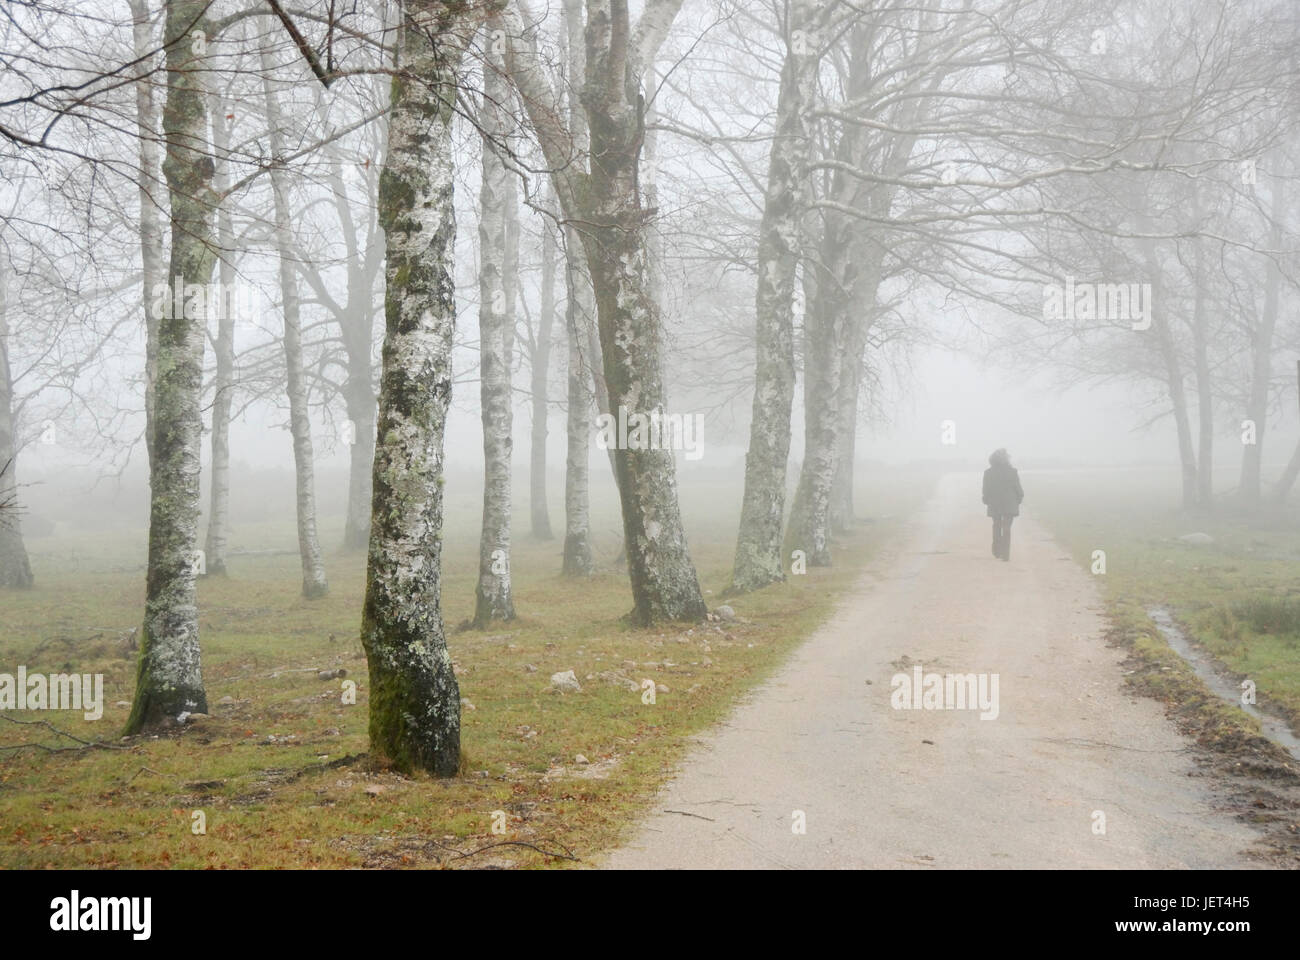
(664, 584)
(414, 697)
(597, 185)
(169, 678)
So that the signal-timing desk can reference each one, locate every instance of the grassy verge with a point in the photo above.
(1232, 596)
(1237, 596)
(279, 767)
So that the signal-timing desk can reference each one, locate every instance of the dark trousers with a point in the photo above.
(1002, 537)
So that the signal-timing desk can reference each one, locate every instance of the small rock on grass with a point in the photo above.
(579, 758)
(725, 612)
(565, 681)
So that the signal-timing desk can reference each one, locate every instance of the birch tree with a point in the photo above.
(492, 596)
(15, 568)
(539, 375)
(758, 546)
(314, 583)
(604, 197)
(414, 697)
(169, 680)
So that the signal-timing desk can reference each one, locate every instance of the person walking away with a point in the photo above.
(1002, 495)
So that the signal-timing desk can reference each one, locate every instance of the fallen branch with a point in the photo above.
(64, 640)
(567, 855)
(85, 744)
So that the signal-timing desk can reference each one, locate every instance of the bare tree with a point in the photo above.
(414, 697)
(492, 596)
(170, 678)
(605, 199)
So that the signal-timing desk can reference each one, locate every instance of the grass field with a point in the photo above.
(1239, 596)
(279, 768)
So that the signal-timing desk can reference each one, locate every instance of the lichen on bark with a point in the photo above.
(414, 697)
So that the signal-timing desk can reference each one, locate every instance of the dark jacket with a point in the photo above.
(1002, 491)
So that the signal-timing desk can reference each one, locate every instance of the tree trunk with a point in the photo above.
(414, 697)
(830, 285)
(663, 580)
(758, 559)
(824, 322)
(151, 251)
(314, 583)
(359, 400)
(1288, 479)
(1173, 380)
(169, 680)
(1204, 390)
(492, 596)
(356, 326)
(1261, 355)
(841, 506)
(580, 307)
(223, 395)
(539, 513)
(578, 559)
(15, 569)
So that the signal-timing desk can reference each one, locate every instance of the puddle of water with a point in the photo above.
(1204, 667)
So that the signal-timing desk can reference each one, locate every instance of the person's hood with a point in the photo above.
(999, 458)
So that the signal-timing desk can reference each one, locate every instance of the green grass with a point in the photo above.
(280, 772)
(1238, 597)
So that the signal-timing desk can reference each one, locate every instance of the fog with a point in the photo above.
(427, 334)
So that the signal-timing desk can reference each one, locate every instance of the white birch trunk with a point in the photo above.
(170, 678)
(414, 697)
(492, 596)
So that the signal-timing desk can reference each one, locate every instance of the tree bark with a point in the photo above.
(314, 582)
(169, 679)
(758, 560)
(663, 580)
(492, 596)
(414, 697)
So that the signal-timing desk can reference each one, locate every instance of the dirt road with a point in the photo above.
(943, 788)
